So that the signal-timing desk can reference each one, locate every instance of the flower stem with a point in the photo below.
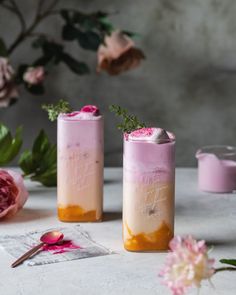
(228, 268)
(38, 18)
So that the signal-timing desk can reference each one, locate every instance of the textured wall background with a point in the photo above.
(187, 83)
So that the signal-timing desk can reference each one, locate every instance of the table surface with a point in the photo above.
(206, 216)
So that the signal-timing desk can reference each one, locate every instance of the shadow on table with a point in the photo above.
(111, 215)
(111, 181)
(221, 242)
(29, 214)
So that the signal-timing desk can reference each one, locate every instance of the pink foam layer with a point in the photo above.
(147, 162)
(86, 134)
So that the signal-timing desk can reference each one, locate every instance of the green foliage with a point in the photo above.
(76, 66)
(54, 110)
(40, 164)
(88, 29)
(54, 53)
(9, 146)
(130, 122)
(229, 261)
(3, 49)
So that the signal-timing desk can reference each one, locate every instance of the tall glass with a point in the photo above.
(80, 168)
(148, 195)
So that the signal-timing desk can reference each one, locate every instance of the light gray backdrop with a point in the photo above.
(187, 83)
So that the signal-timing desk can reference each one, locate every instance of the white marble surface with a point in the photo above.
(206, 216)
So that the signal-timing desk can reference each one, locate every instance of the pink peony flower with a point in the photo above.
(13, 193)
(8, 90)
(118, 54)
(34, 75)
(186, 265)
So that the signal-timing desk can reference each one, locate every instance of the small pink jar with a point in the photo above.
(217, 168)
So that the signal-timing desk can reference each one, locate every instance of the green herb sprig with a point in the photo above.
(130, 122)
(40, 163)
(54, 110)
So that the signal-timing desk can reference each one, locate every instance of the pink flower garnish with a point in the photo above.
(90, 109)
(72, 114)
(34, 75)
(186, 265)
(13, 193)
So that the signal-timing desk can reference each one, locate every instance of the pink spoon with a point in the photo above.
(49, 238)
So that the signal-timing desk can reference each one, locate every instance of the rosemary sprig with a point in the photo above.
(54, 110)
(130, 122)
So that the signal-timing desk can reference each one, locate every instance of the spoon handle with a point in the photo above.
(27, 255)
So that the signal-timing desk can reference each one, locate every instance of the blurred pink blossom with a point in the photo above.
(118, 54)
(186, 265)
(34, 75)
(13, 193)
(8, 90)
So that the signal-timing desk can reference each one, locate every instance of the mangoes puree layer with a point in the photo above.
(76, 213)
(154, 241)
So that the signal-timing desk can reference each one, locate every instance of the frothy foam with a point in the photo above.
(88, 112)
(155, 135)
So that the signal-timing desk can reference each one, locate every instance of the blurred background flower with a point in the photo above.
(34, 75)
(118, 54)
(8, 90)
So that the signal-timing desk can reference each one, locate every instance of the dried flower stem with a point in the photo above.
(26, 32)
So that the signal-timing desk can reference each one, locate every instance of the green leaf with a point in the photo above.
(54, 110)
(69, 32)
(65, 15)
(105, 25)
(130, 122)
(130, 34)
(40, 164)
(52, 51)
(228, 261)
(9, 146)
(3, 48)
(35, 89)
(20, 72)
(88, 40)
(26, 162)
(76, 66)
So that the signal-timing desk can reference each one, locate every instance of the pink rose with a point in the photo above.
(8, 90)
(186, 265)
(13, 193)
(34, 76)
(118, 54)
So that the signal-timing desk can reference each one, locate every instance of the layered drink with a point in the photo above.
(148, 189)
(80, 165)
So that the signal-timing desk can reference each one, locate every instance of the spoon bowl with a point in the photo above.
(52, 237)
